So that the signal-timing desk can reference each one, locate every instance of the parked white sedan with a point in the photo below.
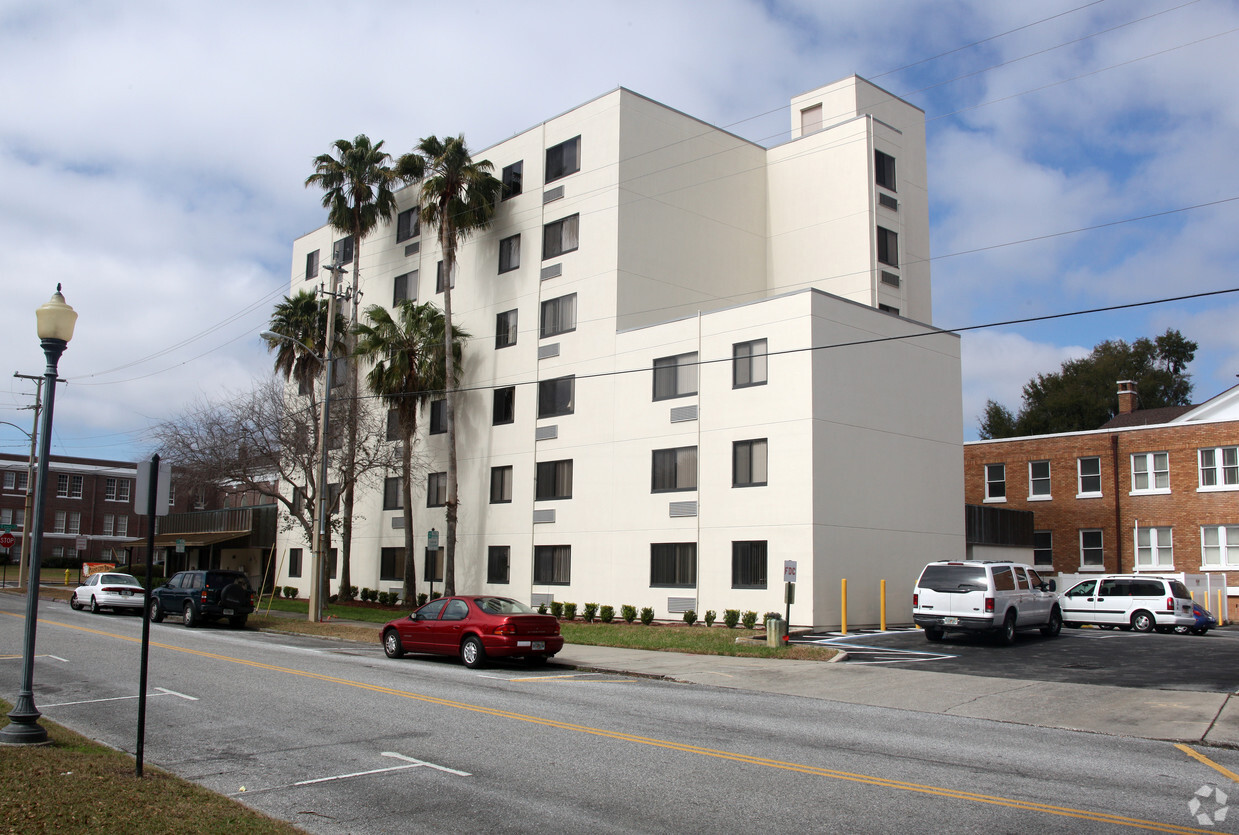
(109, 591)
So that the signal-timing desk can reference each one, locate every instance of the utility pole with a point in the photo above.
(28, 522)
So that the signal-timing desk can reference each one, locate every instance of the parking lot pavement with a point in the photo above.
(1208, 663)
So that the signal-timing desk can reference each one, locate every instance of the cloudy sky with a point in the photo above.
(153, 154)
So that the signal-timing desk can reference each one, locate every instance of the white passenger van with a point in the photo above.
(1141, 602)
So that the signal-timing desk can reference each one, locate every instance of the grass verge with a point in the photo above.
(76, 785)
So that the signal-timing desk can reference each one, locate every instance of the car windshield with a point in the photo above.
(502, 606)
(118, 580)
(954, 578)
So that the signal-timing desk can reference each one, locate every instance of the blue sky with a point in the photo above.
(153, 155)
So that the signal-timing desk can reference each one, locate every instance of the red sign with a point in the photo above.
(7, 539)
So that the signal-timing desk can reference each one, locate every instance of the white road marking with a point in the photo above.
(174, 693)
(163, 692)
(416, 763)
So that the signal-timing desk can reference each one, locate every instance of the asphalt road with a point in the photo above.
(1208, 663)
(337, 738)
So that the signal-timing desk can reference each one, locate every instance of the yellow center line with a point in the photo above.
(731, 756)
(1196, 755)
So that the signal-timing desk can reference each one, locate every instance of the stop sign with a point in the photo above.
(6, 540)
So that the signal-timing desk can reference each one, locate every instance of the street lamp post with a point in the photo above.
(55, 328)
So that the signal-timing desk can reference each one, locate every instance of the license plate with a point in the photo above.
(227, 611)
(126, 593)
(538, 645)
(950, 621)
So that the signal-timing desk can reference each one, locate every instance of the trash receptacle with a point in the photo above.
(776, 631)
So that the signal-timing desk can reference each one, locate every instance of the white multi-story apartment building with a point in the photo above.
(693, 359)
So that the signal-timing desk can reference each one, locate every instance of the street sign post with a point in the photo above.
(789, 591)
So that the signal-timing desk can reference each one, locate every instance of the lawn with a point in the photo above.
(76, 785)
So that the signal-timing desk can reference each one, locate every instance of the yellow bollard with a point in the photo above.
(843, 611)
(66, 576)
(882, 602)
(1221, 607)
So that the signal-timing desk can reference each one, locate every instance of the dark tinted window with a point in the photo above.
(954, 578)
(1147, 588)
(215, 579)
(1115, 588)
(456, 610)
(1003, 580)
(1178, 589)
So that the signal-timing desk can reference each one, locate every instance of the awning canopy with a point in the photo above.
(192, 540)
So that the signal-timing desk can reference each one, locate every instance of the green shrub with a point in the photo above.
(770, 615)
(711, 615)
(557, 608)
(349, 593)
(628, 613)
(542, 608)
(606, 614)
(590, 611)
(647, 615)
(569, 611)
(365, 594)
(290, 592)
(384, 598)
(422, 598)
(690, 617)
(749, 619)
(435, 595)
(731, 617)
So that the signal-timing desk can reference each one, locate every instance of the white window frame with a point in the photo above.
(1154, 549)
(109, 524)
(1225, 544)
(1154, 469)
(1219, 467)
(1034, 481)
(990, 481)
(1081, 493)
(1100, 548)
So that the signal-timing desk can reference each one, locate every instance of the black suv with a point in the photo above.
(203, 596)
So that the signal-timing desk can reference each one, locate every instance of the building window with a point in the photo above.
(500, 485)
(75, 522)
(1150, 472)
(888, 247)
(675, 376)
(556, 397)
(749, 463)
(391, 493)
(1043, 549)
(554, 480)
(674, 469)
(342, 251)
(558, 315)
(1091, 553)
(560, 236)
(995, 482)
(1038, 479)
(811, 120)
(509, 253)
(1154, 548)
(498, 560)
(404, 288)
(122, 526)
(62, 486)
(15, 481)
(748, 364)
(433, 570)
(16, 517)
(563, 159)
(393, 425)
(109, 524)
(294, 562)
(59, 521)
(552, 565)
(439, 277)
(505, 329)
(1090, 476)
(884, 170)
(1219, 467)
(673, 565)
(436, 490)
(311, 265)
(438, 416)
(511, 178)
(391, 564)
(505, 406)
(408, 225)
(748, 565)
(1219, 546)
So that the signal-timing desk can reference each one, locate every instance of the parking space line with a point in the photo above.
(409, 762)
(1196, 755)
(121, 698)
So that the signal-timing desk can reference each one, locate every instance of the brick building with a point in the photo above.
(1151, 490)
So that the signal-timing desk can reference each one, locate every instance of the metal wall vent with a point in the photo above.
(888, 201)
(683, 509)
(546, 433)
(547, 351)
(890, 278)
(536, 600)
(540, 516)
(413, 249)
(679, 605)
(397, 523)
(552, 271)
(679, 414)
(552, 194)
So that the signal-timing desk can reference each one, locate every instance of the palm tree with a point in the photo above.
(358, 191)
(409, 368)
(458, 198)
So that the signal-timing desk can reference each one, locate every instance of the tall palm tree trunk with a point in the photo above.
(447, 243)
(350, 437)
(406, 497)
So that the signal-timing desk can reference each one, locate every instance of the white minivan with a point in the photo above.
(984, 596)
(1141, 602)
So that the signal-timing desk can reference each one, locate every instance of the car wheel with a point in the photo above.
(156, 612)
(190, 616)
(391, 644)
(1007, 636)
(934, 634)
(237, 621)
(73, 602)
(1142, 621)
(1051, 629)
(94, 605)
(1183, 630)
(472, 653)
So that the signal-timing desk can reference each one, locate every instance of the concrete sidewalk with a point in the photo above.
(1175, 715)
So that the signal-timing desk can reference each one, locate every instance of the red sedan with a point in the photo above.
(475, 628)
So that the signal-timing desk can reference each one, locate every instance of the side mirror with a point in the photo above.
(1050, 586)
